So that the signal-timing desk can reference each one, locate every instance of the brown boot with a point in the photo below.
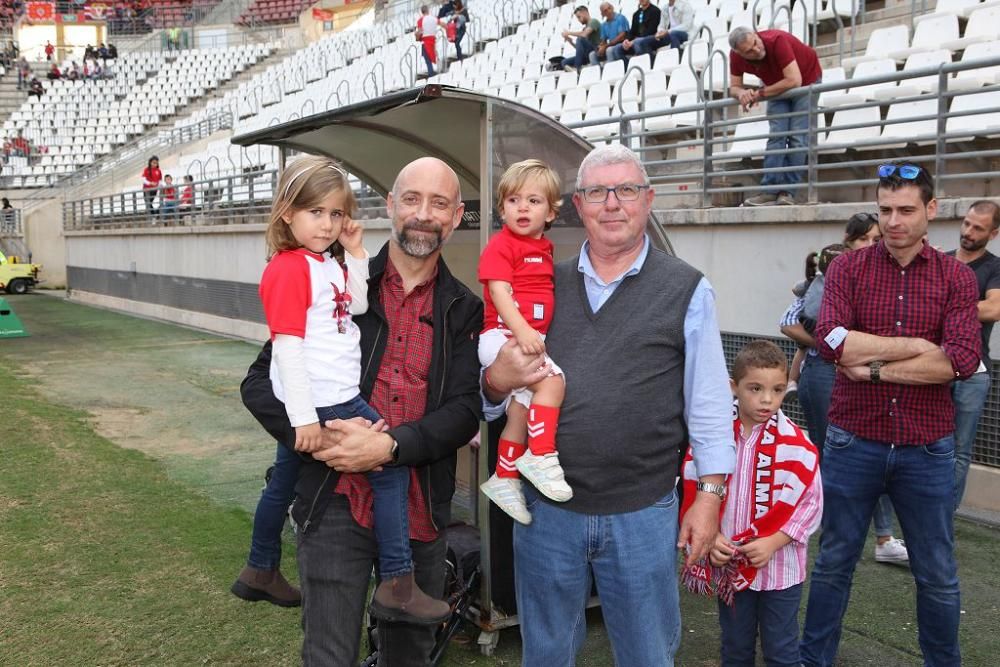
(400, 600)
(253, 585)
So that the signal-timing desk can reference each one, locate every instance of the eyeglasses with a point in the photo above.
(598, 194)
(908, 172)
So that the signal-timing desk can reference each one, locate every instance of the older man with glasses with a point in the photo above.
(899, 319)
(636, 332)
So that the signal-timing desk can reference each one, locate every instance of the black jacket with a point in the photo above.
(429, 444)
(649, 23)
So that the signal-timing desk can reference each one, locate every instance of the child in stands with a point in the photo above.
(773, 504)
(315, 281)
(168, 199)
(517, 269)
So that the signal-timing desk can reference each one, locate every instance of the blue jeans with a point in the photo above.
(632, 558)
(776, 181)
(390, 487)
(272, 508)
(651, 44)
(617, 52)
(585, 53)
(775, 614)
(920, 482)
(969, 397)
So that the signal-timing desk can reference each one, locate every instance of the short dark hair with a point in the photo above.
(582, 8)
(923, 181)
(987, 207)
(858, 225)
(758, 354)
(811, 265)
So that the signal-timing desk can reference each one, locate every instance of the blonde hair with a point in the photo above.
(519, 173)
(305, 183)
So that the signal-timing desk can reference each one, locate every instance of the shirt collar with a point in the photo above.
(586, 267)
(393, 278)
(925, 252)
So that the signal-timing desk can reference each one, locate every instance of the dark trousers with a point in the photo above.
(774, 614)
(335, 560)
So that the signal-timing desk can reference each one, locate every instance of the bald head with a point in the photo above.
(428, 166)
(425, 206)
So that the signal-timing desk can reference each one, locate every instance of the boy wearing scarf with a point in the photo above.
(773, 503)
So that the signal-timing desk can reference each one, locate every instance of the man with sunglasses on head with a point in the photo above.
(636, 333)
(899, 320)
(782, 62)
(980, 226)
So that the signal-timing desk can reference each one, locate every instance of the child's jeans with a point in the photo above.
(774, 614)
(390, 487)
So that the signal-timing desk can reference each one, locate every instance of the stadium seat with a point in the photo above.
(858, 94)
(981, 27)
(881, 43)
(920, 132)
(928, 36)
(984, 123)
(918, 85)
(977, 76)
(839, 140)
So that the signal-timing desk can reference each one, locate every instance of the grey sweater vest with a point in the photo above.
(622, 420)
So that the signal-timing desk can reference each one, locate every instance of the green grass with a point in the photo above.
(129, 472)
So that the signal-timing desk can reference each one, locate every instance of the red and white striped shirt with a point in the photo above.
(787, 566)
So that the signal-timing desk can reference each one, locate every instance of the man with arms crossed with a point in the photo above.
(420, 364)
(980, 226)
(635, 331)
(899, 319)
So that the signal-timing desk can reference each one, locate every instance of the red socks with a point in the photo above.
(508, 452)
(542, 423)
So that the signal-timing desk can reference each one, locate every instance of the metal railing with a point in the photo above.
(240, 197)
(11, 225)
(697, 145)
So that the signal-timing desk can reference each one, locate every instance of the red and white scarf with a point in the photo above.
(785, 465)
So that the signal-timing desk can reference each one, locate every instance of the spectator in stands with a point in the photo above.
(35, 88)
(892, 421)
(23, 72)
(980, 226)
(6, 216)
(782, 63)
(74, 72)
(614, 30)
(112, 52)
(96, 72)
(676, 25)
(460, 17)
(586, 40)
(49, 51)
(54, 74)
(151, 177)
(187, 195)
(645, 21)
(174, 39)
(168, 199)
(89, 54)
(102, 53)
(20, 146)
(427, 35)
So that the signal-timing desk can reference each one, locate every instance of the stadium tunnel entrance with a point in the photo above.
(478, 136)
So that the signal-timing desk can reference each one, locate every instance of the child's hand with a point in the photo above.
(759, 551)
(308, 438)
(531, 341)
(351, 237)
(721, 551)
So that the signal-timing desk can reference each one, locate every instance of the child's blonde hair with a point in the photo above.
(304, 184)
(519, 173)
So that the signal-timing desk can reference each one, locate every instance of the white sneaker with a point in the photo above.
(893, 551)
(506, 493)
(546, 475)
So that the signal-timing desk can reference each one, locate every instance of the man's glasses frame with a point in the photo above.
(598, 194)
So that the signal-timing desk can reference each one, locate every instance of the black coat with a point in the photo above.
(454, 405)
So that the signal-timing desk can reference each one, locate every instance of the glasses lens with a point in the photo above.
(627, 192)
(909, 171)
(886, 170)
(596, 194)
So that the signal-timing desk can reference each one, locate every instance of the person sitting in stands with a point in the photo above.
(54, 74)
(74, 72)
(35, 88)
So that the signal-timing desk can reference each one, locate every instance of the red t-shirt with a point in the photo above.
(187, 195)
(780, 48)
(526, 264)
(151, 177)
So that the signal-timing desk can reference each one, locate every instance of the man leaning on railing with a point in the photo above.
(782, 62)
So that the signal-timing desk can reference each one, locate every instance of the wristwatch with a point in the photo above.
(875, 371)
(717, 489)
(394, 452)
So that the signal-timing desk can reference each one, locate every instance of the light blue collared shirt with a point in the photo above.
(707, 397)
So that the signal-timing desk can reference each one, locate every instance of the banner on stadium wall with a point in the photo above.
(322, 14)
(40, 11)
(96, 11)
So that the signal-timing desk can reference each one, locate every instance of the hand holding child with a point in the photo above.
(308, 438)
(351, 237)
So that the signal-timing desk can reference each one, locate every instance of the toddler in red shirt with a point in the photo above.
(517, 270)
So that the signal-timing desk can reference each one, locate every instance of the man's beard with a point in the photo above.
(972, 246)
(418, 245)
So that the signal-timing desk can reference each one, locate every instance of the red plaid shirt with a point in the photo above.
(400, 391)
(934, 298)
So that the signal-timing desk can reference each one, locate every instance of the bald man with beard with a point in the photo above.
(420, 370)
